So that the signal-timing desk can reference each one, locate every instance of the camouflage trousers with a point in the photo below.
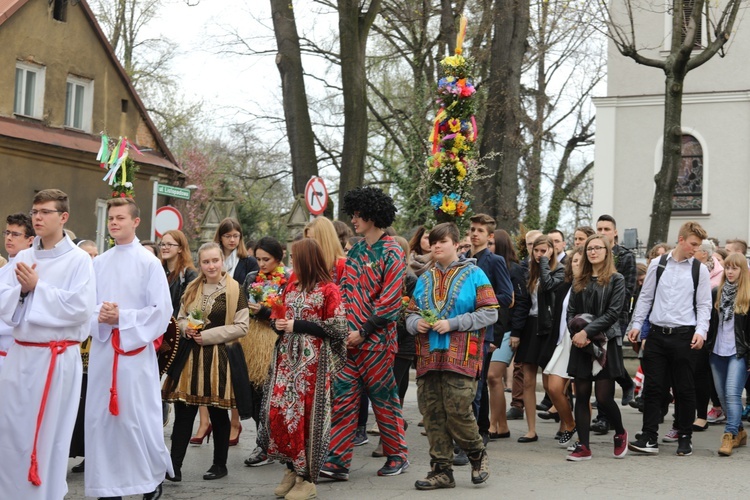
(445, 400)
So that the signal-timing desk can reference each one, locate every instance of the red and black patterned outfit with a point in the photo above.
(297, 404)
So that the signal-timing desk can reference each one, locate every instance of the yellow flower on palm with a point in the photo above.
(461, 171)
(454, 124)
(448, 206)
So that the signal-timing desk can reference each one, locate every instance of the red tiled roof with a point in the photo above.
(69, 139)
(9, 7)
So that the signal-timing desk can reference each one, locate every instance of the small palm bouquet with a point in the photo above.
(195, 320)
(429, 316)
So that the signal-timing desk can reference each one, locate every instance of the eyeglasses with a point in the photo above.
(594, 249)
(15, 234)
(464, 247)
(168, 245)
(45, 212)
(231, 236)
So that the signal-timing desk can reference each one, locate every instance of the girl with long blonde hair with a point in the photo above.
(728, 342)
(322, 230)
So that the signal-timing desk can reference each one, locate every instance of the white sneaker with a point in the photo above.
(671, 437)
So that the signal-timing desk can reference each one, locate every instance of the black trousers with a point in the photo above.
(482, 400)
(401, 374)
(667, 360)
(184, 416)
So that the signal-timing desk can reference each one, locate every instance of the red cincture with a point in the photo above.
(57, 347)
(114, 407)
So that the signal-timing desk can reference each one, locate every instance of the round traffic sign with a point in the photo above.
(167, 219)
(316, 196)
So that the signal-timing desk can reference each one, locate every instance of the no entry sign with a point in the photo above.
(167, 219)
(316, 196)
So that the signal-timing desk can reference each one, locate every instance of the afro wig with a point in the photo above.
(371, 204)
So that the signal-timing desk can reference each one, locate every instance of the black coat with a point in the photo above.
(177, 287)
(244, 267)
(603, 302)
(514, 319)
(549, 282)
(741, 330)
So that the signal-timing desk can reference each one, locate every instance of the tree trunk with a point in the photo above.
(501, 143)
(448, 25)
(297, 116)
(666, 178)
(354, 26)
(532, 216)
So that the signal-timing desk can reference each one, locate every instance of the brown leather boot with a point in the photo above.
(727, 444)
(740, 439)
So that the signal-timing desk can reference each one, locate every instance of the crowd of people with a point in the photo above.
(305, 349)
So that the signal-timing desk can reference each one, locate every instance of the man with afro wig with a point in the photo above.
(372, 289)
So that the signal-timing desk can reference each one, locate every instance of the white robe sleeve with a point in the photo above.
(56, 307)
(10, 293)
(139, 327)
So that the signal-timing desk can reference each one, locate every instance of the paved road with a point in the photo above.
(536, 470)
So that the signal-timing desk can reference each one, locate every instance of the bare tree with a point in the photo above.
(299, 129)
(502, 142)
(685, 54)
(355, 20)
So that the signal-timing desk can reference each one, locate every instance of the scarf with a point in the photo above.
(230, 263)
(728, 294)
(420, 263)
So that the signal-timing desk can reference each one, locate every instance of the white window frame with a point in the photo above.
(38, 98)
(101, 225)
(659, 152)
(87, 106)
(667, 45)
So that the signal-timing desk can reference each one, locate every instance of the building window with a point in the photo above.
(60, 10)
(79, 99)
(687, 11)
(688, 192)
(29, 98)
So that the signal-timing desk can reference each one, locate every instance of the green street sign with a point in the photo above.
(173, 191)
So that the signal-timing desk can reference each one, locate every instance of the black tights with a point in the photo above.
(605, 398)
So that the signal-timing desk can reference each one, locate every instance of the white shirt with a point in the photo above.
(726, 344)
(563, 322)
(534, 311)
(673, 304)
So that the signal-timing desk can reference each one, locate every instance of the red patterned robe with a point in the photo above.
(297, 404)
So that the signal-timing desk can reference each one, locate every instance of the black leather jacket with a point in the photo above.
(741, 330)
(549, 282)
(603, 302)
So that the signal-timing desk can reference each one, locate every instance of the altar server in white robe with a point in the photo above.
(48, 298)
(18, 235)
(125, 449)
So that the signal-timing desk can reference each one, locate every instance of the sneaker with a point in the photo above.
(258, 457)
(330, 471)
(716, 416)
(573, 446)
(286, 484)
(459, 457)
(566, 437)
(671, 437)
(393, 466)
(437, 478)
(621, 445)
(684, 446)
(360, 436)
(627, 396)
(580, 453)
(514, 414)
(480, 467)
(644, 445)
(302, 490)
(600, 427)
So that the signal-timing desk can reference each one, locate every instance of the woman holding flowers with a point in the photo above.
(206, 370)
(298, 394)
(263, 289)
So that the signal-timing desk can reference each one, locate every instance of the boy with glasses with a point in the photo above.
(47, 296)
(18, 235)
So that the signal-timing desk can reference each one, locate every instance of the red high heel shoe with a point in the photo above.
(235, 441)
(206, 436)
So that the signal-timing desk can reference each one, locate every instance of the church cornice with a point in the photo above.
(658, 99)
